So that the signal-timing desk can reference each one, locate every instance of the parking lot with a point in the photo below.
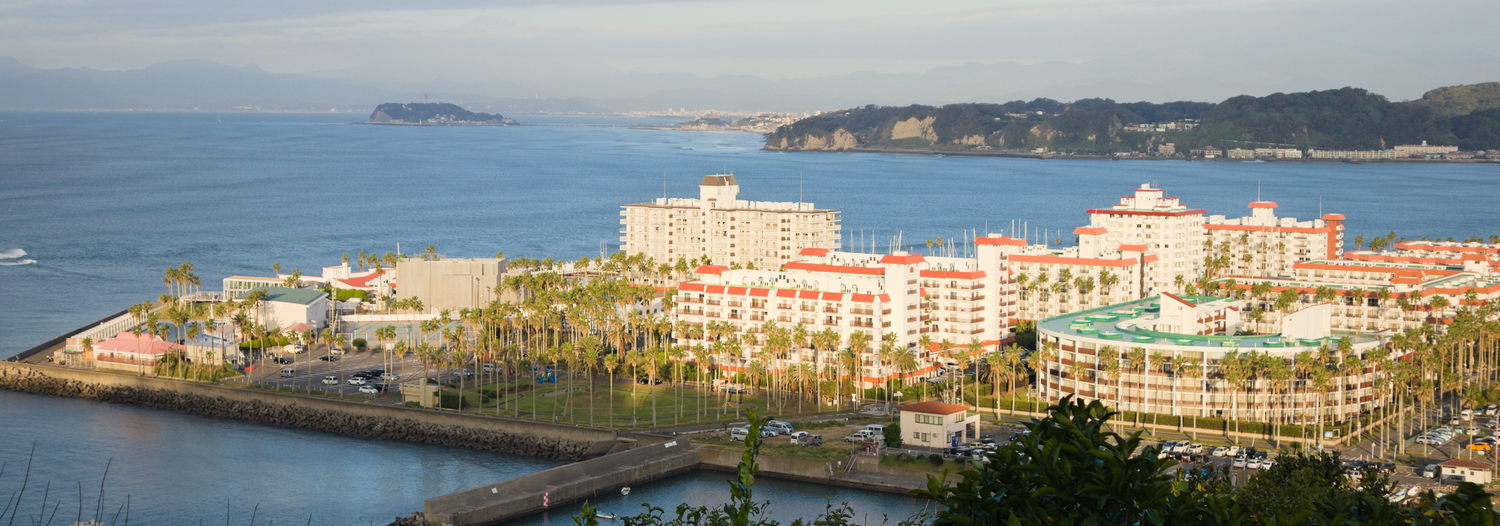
(308, 369)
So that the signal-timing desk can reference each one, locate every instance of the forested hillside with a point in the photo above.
(1347, 118)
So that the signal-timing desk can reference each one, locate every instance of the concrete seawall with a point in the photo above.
(421, 426)
(519, 497)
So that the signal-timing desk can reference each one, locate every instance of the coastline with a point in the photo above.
(290, 410)
(1084, 157)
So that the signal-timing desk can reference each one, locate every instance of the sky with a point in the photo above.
(563, 48)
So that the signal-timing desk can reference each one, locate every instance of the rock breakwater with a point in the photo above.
(292, 411)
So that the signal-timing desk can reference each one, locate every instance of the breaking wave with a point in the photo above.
(12, 253)
(18, 262)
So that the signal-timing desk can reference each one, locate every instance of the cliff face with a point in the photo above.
(959, 127)
(1346, 118)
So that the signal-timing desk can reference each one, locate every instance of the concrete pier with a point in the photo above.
(534, 493)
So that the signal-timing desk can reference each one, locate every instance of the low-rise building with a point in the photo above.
(1422, 150)
(284, 307)
(938, 424)
(1354, 155)
(1467, 470)
(128, 351)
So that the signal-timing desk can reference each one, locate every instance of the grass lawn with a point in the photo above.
(621, 406)
(781, 446)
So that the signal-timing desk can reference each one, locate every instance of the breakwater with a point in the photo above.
(358, 419)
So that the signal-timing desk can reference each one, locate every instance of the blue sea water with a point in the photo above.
(94, 206)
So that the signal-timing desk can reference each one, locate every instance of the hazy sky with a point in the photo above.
(504, 47)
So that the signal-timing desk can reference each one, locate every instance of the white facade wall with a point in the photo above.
(725, 229)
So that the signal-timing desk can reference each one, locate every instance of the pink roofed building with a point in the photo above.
(132, 352)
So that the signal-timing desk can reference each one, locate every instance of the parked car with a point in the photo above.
(1219, 451)
(1195, 449)
(1430, 472)
(865, 435)
(1267, 464)
(1253, 463)
(489, 368)
(337, 351)
(1233, 451)
(288, 372)
(330, 380)
(296, 348)
(390, 377)
(781, 426)
(329, 358)
(739, 434)
(281, 360)
(803, 438)
(357, 380)
(878, 428)
(1239, 462)
(369, 389)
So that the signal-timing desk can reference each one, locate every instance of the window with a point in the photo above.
(936, 420)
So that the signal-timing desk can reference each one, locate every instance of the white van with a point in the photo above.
(781, 426)
(1430, 472)
(878, 428)
(739, 434)
(1467, 415)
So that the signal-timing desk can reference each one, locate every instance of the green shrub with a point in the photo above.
(347, 294)
(360, 343)
(935, 459)
(893, 435)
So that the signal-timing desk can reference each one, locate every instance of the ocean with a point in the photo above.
(93, 207)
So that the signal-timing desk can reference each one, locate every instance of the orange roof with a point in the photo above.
(908, 259)
(1089, 230)
(1465, 463)
(1333, 217)
(712, 269)
(999, 240)
(362, 281)
(1132, 248)
(1179, 299)
(935, 408)
(1262, 204)
(813, 252)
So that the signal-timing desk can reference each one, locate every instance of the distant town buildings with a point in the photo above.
(725, 229)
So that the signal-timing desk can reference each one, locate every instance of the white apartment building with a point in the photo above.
(1421, 150)
(1052, 281)
(910, 298)
(1378, 296)
(725, 229)
(1169, 230)
(1262, 244)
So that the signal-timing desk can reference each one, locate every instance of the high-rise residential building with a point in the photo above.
(727, 230)
(1169, 230)
(1262, 244)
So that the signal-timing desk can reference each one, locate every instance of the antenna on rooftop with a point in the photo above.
(663, 184)
(800, 180)
(1257, 190)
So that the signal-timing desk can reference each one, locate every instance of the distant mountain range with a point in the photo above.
(210, 86)
(1347, 118)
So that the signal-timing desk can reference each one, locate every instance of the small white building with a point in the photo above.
(1476, 471)
(284, 307)
(938, 424)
